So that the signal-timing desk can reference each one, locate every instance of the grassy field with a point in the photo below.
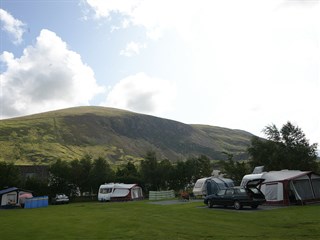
(142, 220)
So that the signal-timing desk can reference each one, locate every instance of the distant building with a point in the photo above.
(34, 171)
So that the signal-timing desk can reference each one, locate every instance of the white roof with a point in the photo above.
(283, 175)
(124, 186)
(120, 192)
(118, 185)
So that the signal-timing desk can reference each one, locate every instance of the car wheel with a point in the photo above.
(237, 205)
(210, 204)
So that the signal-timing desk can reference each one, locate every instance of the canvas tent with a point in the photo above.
(289, 186)
(11, 197)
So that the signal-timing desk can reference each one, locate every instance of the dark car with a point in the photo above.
(238, 197)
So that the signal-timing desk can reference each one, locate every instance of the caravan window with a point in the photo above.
(198, 184)
(105, 190)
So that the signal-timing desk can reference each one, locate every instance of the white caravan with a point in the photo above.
(210, 185)
(119, 192)
(105, 192)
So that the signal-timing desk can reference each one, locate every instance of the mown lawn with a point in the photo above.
(142, 220)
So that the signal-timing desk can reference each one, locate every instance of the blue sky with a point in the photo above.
(235, 64)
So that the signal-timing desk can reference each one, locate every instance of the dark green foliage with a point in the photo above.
(85, 175)
(286, 148)
(80, 174)
(100, 173)
(128, 173)
(60, 179)
(163, 175)
(38, 186)
(9, 175)
(200, 167)
(234, 170)
(150, 172)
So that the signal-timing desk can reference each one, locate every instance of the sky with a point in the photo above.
(239, 64)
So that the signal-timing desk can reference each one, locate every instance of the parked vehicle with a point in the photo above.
(60, 199)
(238, 197)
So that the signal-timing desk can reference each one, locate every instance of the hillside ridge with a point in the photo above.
(115, 134)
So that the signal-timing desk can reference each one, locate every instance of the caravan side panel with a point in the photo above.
(273, 192)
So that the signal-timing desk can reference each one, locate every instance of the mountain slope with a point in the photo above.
(116, 134)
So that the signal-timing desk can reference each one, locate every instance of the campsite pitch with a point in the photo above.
(141, 220)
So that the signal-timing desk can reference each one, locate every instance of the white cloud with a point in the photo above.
(154, 16)
(143, 94)
(132, 48)
(47, 76)
(252, 62)
(13, 26)
(104, 8)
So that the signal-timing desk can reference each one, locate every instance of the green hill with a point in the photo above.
(118, 135)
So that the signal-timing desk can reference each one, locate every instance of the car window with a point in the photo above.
(221, 192)
(254, 190)
(240, 191)
(229, 191)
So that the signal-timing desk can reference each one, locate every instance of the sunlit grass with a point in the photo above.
(142, 220)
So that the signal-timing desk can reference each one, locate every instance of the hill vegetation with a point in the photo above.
(117, 135)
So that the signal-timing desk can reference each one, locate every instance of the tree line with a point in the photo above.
(285, 148)
(86, 175)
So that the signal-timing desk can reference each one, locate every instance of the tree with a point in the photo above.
(128, 174)
(180, 176)
(9, 175)
(37, 185)
(100, 173)
(150, 172)
(165, 174)
(234, 170)
(80, 173)
(286, 148)
(185, 174)
(60, 178)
